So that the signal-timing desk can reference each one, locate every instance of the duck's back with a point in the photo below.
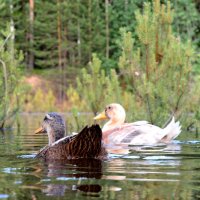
(135, 134)
(142, 133)
(86, 144)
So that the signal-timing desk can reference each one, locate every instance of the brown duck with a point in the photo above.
(86, 144)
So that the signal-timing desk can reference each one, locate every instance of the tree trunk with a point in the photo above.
(79, 43)
(78, 34)
(147, 61)
(107, 28)
(60, 65)
(59, 35)
(90, 29)
(31, 35)
(12, 31)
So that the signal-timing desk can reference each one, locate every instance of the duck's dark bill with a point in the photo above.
(40, 130)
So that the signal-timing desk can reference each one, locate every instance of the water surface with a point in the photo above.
(161, 172)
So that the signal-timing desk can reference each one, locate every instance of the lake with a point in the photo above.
(159, 173)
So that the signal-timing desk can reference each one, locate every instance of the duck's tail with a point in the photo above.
(172, 130)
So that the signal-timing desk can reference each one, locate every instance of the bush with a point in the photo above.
(11, 89)
(41, 101)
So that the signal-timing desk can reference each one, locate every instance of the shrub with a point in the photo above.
(11, 89)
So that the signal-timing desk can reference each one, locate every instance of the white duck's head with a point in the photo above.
(116, 115)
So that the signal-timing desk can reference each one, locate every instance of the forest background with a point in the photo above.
(78, 56)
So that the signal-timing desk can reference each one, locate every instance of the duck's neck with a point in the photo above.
(54, 136)
(51, 136)
(111, 124)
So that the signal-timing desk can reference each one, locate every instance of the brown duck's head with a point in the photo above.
(54, 125)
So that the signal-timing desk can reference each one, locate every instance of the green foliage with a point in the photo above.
(94, 90)
(98, 89)
(92, 86)
(84, 22)
(11, 89)
(191, 115)
(121, 15)
(41, 101)
(187, 20)
(45, 37)
(81, 26)
(154, 70)
(15, 11)
(154, 77)
(158, 73)
(187, 24)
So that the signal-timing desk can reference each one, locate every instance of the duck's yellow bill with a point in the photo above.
(101, 116)
(40, 130)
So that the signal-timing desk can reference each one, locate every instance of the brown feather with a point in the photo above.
(86, 144)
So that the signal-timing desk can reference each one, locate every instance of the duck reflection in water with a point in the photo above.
(81, 153)
(82, 168)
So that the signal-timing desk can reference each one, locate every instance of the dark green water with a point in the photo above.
(164, 172)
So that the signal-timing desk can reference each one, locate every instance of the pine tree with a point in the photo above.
(92, 26)
(121, 15)
(45, 35)
(158, 72)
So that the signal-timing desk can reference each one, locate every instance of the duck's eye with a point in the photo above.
(45, 118)
(109, 107)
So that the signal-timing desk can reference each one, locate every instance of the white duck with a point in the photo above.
(116, 131)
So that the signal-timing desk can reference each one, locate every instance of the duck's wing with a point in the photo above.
(54, 148)
(139, 123)
(86, 144)
(42, 152)
(123, 134)
(140, 134)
